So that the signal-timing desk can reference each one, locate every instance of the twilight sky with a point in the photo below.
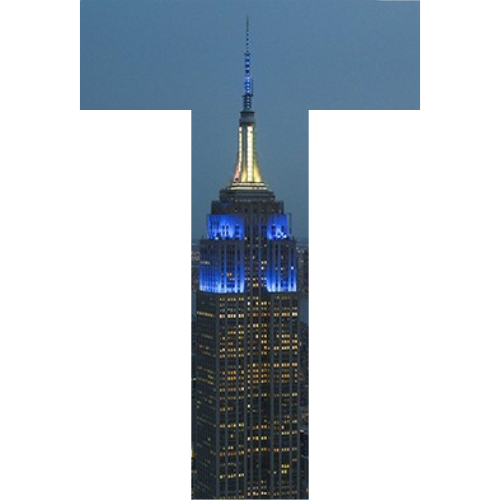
(188, 54)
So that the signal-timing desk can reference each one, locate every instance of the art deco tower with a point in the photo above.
(246, 433)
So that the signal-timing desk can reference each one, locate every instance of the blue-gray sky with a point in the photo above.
(305, 55)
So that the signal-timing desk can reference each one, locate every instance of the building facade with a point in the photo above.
(246, 441)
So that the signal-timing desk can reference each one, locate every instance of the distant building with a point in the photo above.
(246, 437)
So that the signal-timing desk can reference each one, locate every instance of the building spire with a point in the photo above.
(248, 81)
(247, 174)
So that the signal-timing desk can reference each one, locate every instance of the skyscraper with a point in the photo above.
(246, 437)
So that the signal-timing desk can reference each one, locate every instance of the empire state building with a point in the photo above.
(246, 435)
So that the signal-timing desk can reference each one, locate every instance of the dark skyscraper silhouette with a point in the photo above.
(246, 392)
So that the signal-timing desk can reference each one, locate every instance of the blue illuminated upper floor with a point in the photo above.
(232, 227)
(228, 259)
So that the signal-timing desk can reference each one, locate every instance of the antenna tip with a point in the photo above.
(248, 33)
